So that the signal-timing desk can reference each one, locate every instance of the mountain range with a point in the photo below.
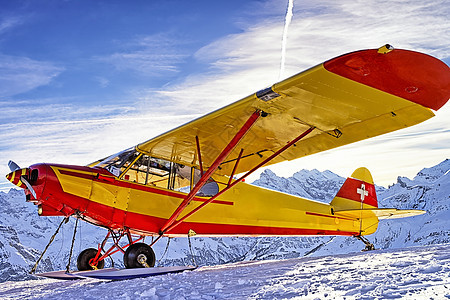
(24, 235)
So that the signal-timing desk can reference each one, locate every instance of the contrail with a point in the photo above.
(287, 21)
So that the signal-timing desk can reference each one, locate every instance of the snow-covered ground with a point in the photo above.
(253, 268)
(410, 273)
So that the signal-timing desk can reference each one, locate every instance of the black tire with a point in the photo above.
(136, 252)
(85, 256)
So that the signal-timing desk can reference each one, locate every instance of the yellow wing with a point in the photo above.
(350, 98)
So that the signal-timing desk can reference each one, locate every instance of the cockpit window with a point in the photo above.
(149, 171)
(137, 167)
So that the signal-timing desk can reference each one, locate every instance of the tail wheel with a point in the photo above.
(84, 259)
(139, 255)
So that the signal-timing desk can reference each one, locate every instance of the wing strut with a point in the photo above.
(205, 176)
(200, 163)
(235, 166)
(288, 145)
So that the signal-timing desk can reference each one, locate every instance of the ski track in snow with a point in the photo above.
(409, 273)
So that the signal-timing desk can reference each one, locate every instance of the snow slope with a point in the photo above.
(23, 236)
(411, 273)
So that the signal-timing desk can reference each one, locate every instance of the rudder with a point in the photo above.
(357, 192)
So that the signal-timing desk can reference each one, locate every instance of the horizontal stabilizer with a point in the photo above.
(380, 213)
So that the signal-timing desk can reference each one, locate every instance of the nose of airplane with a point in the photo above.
(22, 177)
(16, 177)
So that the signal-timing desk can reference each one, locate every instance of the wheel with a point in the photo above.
(85, 256)
(139, 255)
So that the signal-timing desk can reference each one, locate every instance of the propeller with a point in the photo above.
(15, 168)
(30, 188)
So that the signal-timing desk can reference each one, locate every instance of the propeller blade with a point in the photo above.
(13, 166)
(30, 188)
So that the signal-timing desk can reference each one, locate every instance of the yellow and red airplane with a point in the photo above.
(184, 181)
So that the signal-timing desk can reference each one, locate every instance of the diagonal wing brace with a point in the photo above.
(230, 185)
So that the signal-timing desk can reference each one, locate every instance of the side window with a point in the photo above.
(181, 177)
(143, 169)
(138, 171)
(209, 189)
(159, 172)
(149, 171)
(193, 175)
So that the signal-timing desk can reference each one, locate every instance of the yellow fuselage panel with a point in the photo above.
(75, 182)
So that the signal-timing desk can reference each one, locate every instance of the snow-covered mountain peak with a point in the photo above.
(430, 175)
(316, 174)
(403, 181)
(311, 184)
(267, 174)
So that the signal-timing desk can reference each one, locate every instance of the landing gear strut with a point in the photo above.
(137, 255)
(369, 245)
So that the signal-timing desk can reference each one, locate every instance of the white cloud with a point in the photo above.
(7, 23)
(71, 134)
(102, 81)
(246, 62)
(154, 55)
(21, 74)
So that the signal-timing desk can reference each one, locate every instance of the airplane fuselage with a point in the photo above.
(244, 210)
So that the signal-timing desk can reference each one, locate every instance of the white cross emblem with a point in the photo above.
(362, 191)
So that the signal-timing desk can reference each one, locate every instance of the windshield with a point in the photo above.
(116, 163)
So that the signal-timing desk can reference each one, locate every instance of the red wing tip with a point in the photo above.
(411, 75)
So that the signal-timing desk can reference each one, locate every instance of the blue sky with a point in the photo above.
(83, 79)
(97, 50)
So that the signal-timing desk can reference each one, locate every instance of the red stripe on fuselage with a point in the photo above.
(77, 174)
(242, 230)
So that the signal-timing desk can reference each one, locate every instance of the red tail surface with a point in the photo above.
(357, 192)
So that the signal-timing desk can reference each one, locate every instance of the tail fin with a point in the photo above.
(357, 200)
(357, 192)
